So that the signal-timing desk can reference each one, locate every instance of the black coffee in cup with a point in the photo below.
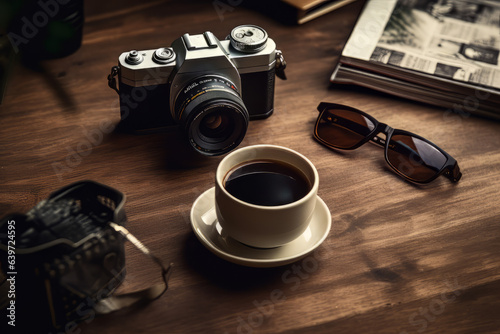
(267, 182)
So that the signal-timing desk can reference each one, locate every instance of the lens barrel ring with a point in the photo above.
(229, 134)
(211, 96)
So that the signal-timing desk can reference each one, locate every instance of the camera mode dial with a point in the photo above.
(248, 38)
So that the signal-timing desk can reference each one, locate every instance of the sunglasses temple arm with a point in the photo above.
(382, 128)
(454, 173)
(379, 141)
(394, 146)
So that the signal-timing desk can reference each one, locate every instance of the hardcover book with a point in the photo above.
(306, 10)
(296, 11)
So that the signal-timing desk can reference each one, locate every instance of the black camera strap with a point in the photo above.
(117, 302)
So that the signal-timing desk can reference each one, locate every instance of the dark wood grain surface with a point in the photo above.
(399, 258)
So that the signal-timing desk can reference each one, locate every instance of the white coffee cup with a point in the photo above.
(261, 225)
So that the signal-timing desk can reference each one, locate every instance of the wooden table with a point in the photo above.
(399, 258)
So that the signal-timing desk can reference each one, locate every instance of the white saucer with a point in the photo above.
(209, 232)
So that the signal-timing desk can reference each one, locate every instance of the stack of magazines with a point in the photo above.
(442, 52)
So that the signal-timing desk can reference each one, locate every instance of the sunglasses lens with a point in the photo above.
(343, 128)
(415, 158)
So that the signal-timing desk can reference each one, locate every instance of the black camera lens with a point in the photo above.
(216, 126)
(213, 114)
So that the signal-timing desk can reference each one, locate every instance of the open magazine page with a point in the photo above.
(453, 39)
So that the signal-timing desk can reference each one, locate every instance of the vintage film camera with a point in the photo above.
(207, 87)
(62, 261)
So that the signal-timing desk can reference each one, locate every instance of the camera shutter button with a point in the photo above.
(134, 58)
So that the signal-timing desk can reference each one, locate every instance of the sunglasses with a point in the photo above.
(412, 157)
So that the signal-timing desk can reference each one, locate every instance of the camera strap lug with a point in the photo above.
(112, 79)
(280, 65)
